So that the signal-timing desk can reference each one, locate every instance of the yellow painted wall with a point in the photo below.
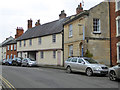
(46, 44)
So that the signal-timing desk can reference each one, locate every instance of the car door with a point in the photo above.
(24, 62)
(81, 65)
(74, 64)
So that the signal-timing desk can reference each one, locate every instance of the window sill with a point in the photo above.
(70, 36)
(96, 32)
(118, 35)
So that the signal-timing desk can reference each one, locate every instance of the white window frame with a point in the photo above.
(14, 56)
(118, 55)
(70, 30)
(98, 29)
(117, 9)
(11, 56)
(117, 34)
(8, 48)
(11, 47)
(14, 46)
(70, 50)
(7, 56)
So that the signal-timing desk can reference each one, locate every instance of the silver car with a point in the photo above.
(86, 65)
(28, 62)
(114, 73)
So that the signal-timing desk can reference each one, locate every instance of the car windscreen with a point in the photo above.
(91, 61)
(32, 59)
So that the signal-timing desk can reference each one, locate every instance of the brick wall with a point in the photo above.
(9, 52)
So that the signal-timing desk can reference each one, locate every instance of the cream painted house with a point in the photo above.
(44, 43)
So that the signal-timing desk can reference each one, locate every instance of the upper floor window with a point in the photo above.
(8, 47)
(30, 42)
(54, 38)
(117, 5)
(71, 50)
(11, 47)
(70, 30)
(20, 43)
(96, 25)
(14, 47)
(24, 43)
(39, 40)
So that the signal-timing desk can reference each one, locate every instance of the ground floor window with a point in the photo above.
(41, 54)
(7, 56)
(71, 50)
(54, 54)
(118, 52)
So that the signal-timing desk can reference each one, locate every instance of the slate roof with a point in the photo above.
(12, 42)
(44, 30)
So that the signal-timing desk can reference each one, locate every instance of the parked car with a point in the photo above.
(3, 61)
(8, 62)
(28, 62)
(17, 61)
(86, 65)
(114, 73)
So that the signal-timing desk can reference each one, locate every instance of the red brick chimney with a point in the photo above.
(19, 32)
(62, 15)
(37, 23)
(29, 24)
(79, 9)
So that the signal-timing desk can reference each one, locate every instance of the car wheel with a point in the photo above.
(27, 65)
(68, 70)
(89, 72)
(112, 76)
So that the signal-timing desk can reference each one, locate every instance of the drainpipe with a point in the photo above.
(110, 36)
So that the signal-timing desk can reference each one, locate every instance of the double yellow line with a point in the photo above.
(7, 83)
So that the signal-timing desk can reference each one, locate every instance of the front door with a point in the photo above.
(59, 58)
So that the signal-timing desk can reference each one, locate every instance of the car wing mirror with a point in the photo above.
(83, 62)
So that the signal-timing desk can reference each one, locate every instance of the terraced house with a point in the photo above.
(88, 30)
(44, 43)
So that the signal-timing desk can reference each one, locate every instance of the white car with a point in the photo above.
(86, 65)
(28, 62)
(114, 73)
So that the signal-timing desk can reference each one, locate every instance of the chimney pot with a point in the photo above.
(79, 9)
(62, 15)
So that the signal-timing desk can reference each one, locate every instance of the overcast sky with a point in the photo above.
(15, 13)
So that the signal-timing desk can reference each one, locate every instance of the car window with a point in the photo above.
(80, 60)
(89, 60)
(69, 60)
(31, 59)
(74, 60)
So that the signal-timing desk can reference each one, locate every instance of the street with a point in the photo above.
(36, 77)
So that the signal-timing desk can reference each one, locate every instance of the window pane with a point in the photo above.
(40, 40)
(74, 60)
(119, 52)
(42, 54)
(96, 25)
(54, 54)
(118, 5)
(70, 30)
(71, 50)
(54, 38)
(119, 26)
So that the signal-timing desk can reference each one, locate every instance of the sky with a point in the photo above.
(15, 13)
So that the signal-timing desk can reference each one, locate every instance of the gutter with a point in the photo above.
(110, 36)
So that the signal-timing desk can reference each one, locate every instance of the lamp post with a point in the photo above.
(83, 38)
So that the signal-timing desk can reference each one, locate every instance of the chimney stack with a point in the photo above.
(79, 9)
(62, 15)
(37, 23)
(19, 32)
(29, 24)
